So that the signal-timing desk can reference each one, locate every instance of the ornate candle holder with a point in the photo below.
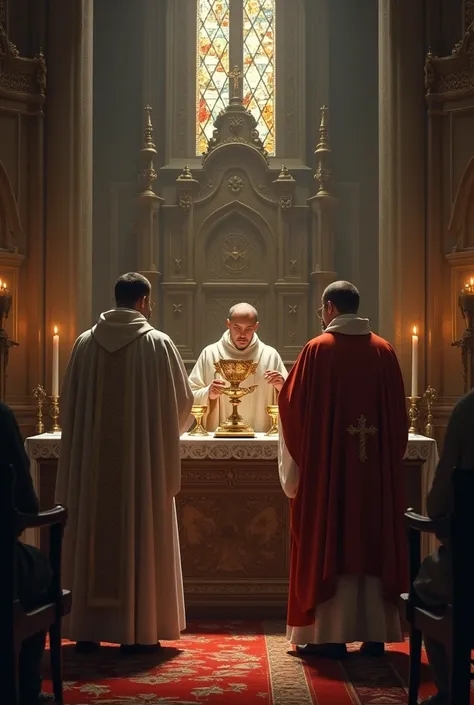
(5, 342)
(413, 413)
(40, 395)
(272, 411)
(466, 343)
(198, 412)
(54, 413)
(430, 397)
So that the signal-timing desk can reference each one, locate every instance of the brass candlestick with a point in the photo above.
(5, 342)
(430, 397)
(414, 413)
(40, 395)
(54, 413)
(272, 411)
(466, 343)
(198, 412)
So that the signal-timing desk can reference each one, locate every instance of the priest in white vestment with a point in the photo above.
(124, 403)
(239, 342)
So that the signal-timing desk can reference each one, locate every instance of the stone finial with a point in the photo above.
(323, 175)
(148, 153)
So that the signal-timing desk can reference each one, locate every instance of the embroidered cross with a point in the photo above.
(363, 432)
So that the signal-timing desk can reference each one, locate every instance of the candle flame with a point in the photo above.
(414, 330)
(55, 330)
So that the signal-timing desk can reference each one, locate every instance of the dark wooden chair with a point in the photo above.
(451, 625)
(16, 624)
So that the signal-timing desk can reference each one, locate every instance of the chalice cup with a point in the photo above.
(272, 411)
(235, 372)
(198, 412)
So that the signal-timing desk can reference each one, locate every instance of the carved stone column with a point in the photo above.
(148, 205)
(68, 174)
(322, 235)
(401, 177)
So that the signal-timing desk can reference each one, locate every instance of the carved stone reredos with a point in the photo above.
(235, 125)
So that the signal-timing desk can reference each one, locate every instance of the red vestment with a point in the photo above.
(344, 421)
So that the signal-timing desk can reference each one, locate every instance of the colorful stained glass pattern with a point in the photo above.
(212, 66)
(259, 67)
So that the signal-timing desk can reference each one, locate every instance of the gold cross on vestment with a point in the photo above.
(236, 74)
(363, 432)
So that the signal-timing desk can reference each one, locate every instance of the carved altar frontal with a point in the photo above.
(233, 517)
(233, 522)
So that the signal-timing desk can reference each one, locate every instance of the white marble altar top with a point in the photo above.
(262, 447)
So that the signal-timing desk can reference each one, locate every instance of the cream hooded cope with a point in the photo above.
(252, 407)
(124, 403)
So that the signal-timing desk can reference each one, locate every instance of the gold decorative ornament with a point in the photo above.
(54, 413)
(235, 372)
(40, 395)
(5, 341)
(466, 343)
(198, 412)
(430, 397)
(272, 411)
(414, 413)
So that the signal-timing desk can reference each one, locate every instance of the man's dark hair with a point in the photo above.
(130, 288)
(343, 295)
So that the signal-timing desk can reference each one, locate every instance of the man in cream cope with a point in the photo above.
(125, 401)
(239, 342)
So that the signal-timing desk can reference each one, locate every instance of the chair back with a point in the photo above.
(462, 550)
(8, 550)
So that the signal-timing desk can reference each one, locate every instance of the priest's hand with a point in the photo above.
(215, 388)
(275, 379)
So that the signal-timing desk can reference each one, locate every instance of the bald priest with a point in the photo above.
(239, 342)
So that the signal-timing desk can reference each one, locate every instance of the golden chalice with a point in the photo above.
(198, 412)
(235, 372)
(272, 411)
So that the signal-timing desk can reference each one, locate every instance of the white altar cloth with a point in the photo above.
(262, 447)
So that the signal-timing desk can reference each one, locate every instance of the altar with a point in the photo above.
(233, 516)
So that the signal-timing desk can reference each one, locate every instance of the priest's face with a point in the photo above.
(242, 329)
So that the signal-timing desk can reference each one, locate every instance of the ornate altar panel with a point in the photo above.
(238, 230)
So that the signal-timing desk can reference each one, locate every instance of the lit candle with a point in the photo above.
(469, 286)
(55, 383)
(414, 363)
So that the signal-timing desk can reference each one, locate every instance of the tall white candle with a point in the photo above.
(55, 382)
(414, 363)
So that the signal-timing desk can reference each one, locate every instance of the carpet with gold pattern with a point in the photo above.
(231, 663)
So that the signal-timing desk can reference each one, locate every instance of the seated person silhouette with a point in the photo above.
(33, 570)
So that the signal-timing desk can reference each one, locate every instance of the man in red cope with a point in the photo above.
(344, 434)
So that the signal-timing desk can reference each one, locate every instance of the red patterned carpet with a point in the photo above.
(234, 663)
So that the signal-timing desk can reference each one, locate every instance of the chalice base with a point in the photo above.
(198, 430)
(235, 427)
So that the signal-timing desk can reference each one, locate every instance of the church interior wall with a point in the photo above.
(353, 86)
(130, 69)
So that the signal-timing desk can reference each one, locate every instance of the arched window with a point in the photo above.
(238, 34)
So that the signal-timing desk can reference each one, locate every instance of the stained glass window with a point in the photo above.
(258, 49)
(212, 66)
(259, 67)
